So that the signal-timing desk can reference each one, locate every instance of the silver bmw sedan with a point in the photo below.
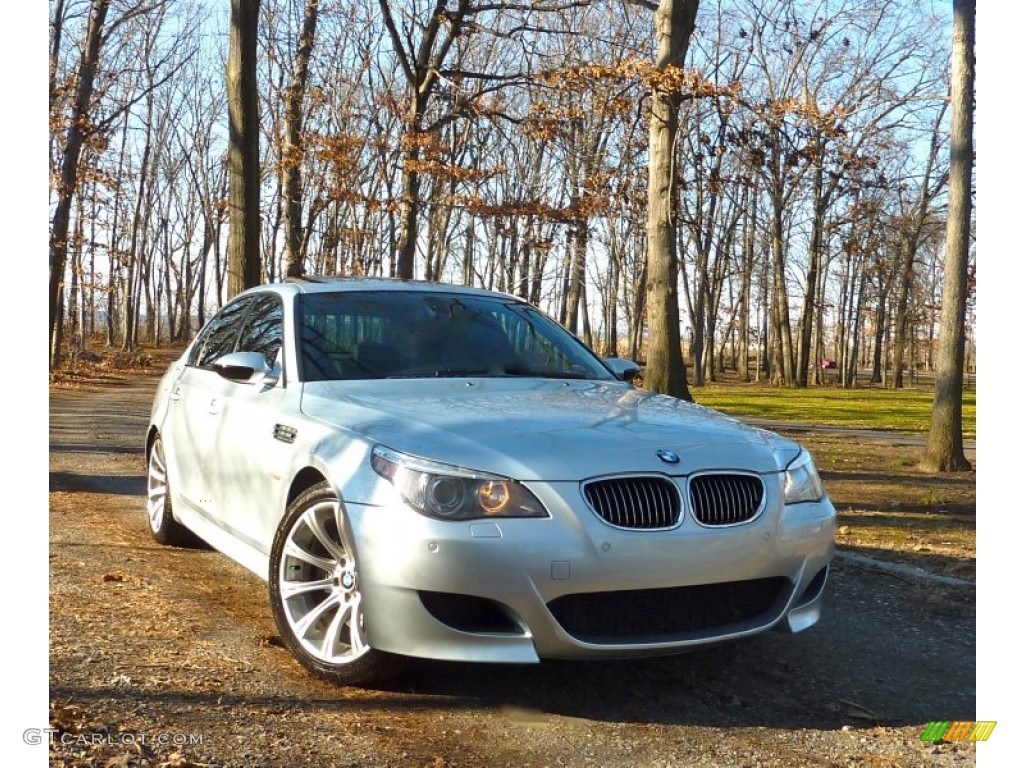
(426, 470)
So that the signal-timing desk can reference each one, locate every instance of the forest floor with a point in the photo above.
(151, 646)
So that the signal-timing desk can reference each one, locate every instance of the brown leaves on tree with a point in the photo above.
(580, 209)
(686, 82)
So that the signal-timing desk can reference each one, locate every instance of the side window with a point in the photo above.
(218, 338)
(264, 328)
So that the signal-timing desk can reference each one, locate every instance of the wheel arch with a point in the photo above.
(151, 436)
(305, 479)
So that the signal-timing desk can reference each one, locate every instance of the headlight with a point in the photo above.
(802, 482)
(453, 493)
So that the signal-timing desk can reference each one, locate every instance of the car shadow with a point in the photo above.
(873, 660)
(120, 485)
(94, 448)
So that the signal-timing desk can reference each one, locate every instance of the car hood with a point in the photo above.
(543, 429)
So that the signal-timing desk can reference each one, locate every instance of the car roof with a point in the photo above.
(336, 284)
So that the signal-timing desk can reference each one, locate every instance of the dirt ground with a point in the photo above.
(169, 657)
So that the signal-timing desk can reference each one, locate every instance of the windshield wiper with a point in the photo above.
(440, 374)
(478, 374)
(528, 374)
(562, 375)
(451, 373)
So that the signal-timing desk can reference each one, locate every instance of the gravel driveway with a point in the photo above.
(170, 657)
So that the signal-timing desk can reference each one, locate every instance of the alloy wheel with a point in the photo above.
(318, 585)
(156, 487)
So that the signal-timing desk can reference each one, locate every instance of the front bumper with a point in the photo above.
(421, 579)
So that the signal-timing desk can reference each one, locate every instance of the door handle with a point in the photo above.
(176, 393)
(214, 406)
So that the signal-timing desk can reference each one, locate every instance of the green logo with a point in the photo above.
(958, 730)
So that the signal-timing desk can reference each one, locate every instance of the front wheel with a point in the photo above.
(315, 594)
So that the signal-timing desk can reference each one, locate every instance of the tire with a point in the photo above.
(315, 596)
(162, 525)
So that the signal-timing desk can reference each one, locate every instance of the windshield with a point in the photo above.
(410, 334)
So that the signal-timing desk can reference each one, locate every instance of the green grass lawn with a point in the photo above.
(906, 410)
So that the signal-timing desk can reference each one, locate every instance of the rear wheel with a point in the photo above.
(162, 525)
(315, 593)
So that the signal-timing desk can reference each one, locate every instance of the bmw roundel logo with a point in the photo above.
(669, 457)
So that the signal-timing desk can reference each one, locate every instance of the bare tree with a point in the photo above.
(76, 135)
(945, 451)
(291, 187)
(421, 64)
(529, 146)
(912, 230)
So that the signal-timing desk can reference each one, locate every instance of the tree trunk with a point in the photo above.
(639, 314)
(76, 271)
(877, 356)
(69, 172)
(901, 322)
(404, 267)
(783, 373)
(666, 370)
(806, 322)
(713, 287)
(56, 33)
(750, 230)
(528, 241)
(88, 311)
(611, 299)
(578, 237)
(140, 226)
(244, 149)
(819, 328)
(853, 358)
(291, 159)
(467, 259)
(945, 451)
(846, 315)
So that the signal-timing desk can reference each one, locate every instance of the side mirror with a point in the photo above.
(626, 370)
(241, 366)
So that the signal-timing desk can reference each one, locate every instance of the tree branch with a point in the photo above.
(396, 41)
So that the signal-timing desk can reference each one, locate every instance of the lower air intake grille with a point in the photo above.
(635, 502)
(653, 615)
(468, 613)
(725, 499)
